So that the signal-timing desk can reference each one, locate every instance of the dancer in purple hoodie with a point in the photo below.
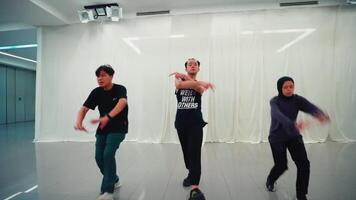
(284, 134)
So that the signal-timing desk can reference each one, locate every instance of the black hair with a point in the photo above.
(106, 68)
(186, 62)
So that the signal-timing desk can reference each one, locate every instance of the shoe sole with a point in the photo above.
(118, 187)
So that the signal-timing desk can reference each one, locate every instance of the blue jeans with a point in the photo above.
(105, 149)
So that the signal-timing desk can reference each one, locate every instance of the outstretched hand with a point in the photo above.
(323, 118)
(103, 121)
(207, 85)
(80, 127)
(178, 75)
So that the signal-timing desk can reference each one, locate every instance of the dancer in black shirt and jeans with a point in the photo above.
(111, 100)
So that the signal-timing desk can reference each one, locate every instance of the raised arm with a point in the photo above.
(308, 107)
(195, 85)
(183, 81)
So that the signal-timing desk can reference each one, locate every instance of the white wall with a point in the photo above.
(243, 53)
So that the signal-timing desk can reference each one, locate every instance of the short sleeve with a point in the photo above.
(92, 100)
(122, 92)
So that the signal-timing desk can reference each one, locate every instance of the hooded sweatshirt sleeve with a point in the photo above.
(308, 107)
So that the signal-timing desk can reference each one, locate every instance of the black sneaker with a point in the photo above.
(186, 182)
(196, 194)
(270, 186)
(302, 197)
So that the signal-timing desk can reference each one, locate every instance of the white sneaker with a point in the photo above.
(106, 196)
(117, 185)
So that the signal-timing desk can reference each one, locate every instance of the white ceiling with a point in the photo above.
(60, 12)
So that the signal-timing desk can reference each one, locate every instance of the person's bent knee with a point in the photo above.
(282, 167)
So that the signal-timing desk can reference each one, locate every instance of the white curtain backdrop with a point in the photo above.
(242, 53)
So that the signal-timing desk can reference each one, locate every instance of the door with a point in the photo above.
(2, 95)
(10, 95)
(20, 95)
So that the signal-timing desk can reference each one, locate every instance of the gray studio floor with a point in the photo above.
(65, 171)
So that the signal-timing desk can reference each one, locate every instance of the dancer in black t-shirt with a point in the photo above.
(111, 100)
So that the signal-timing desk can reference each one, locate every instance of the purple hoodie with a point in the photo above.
(284, 112)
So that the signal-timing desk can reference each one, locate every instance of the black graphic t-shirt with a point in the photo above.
(188, 109)
(106, 101)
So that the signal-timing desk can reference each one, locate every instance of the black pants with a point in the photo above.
(299, 155)
(191, 139)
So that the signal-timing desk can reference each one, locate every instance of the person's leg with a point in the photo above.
(99, 151)
(183, 136)
(183, 139)
(279, 152)
(110, 177)
(195, 140)
(299, 155)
